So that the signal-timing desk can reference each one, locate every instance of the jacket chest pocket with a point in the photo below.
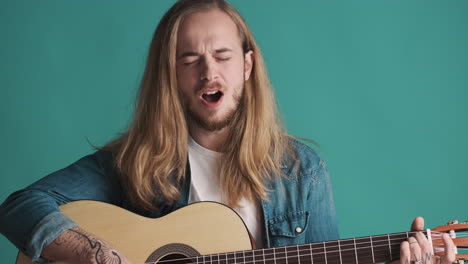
(288, 229)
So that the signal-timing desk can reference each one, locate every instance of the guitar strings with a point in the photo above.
(317, 255)
(377, 253)
(435, 234)
(343, 252)
(334, 249)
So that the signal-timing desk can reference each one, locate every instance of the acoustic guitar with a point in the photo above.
(211, 233)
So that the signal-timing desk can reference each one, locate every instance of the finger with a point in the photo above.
(418, 224)
(427, 252)
(405, 253)
(415, 249)
(450, 250)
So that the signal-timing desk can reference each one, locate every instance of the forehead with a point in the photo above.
(207, 29)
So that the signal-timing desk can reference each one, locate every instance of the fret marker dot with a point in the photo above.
(298, 229)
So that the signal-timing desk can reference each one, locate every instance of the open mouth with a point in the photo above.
(212, 96)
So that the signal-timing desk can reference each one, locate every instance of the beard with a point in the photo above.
(203, 119)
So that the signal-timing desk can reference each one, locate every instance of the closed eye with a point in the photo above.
(190, 62)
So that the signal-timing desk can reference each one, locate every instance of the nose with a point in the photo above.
(209, 70)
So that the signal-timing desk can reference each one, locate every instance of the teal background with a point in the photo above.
(380, 85)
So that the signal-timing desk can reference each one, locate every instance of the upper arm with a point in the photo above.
(24, 213)
(90, 178)
(320, 200)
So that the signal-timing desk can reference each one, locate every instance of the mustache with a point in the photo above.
(211, 85)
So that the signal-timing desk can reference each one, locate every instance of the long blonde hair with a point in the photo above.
(152, 154)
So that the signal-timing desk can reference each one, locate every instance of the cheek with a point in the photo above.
(185, 80)
(234, 74)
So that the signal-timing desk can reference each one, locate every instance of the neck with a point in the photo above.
(212, 140)
(363, 250)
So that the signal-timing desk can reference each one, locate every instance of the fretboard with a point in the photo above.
(362, 250)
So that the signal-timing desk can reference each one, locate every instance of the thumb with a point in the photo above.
(418, 224)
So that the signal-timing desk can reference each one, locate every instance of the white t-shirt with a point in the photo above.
(204, 168)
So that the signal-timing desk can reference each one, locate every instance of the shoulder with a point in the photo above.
(101, 162)
(103, 157)
(98, 160)
(305, 160)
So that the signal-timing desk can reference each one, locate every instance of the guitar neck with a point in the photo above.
(362, 250)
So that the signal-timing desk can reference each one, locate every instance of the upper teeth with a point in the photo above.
(211, 92)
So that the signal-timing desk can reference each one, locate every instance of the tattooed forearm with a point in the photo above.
(77, 246)
(94, 245)
(59, 240)
(102, 252)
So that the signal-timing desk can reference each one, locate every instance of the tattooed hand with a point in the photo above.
(417, 249)
(78, 246)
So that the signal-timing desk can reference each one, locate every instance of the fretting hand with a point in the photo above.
(418, 250)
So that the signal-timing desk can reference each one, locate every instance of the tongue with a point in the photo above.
(212, 98)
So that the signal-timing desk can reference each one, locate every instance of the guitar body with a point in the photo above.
(198, 229)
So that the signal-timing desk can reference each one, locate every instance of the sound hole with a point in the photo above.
(175, 259)
(173, 254)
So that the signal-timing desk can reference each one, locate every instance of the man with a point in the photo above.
(205, 128)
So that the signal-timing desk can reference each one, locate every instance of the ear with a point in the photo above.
(248, 64)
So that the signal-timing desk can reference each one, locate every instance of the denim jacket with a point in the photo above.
(299, 209)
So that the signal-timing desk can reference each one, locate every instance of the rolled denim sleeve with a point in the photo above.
(322, 206)
(30, 218)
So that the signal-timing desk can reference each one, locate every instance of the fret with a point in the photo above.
(347, 251)
(399, 237)
(381, 247)
(230, 258)
(280, 255)
(395, 241)
(214, 259)
(355, 250)
(304, 254)
(311, 254)
(258, 256)
(206, 259)
(372, 249)
(389, 246)
(339, 252)
(292, 255)
(325, 252)
(239, 257)
(332, 254)
(318, 252)
(269, 256)
(364, 251)
(248, 257)
(263, 253)
(298, 254)
(222, 258)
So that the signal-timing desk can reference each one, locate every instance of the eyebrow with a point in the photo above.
(193, 53)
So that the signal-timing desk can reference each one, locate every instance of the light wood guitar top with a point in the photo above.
(207, 227)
